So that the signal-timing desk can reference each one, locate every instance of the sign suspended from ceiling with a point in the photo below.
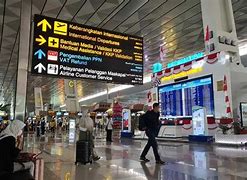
(71, 50)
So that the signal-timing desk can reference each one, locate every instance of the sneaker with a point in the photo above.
(160, 162)
(144, 159)
(96, 158)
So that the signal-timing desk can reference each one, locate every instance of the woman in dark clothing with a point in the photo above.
(43, 126)
(11, 142)
(38, 126)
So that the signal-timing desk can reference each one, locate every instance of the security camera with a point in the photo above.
(237, 62)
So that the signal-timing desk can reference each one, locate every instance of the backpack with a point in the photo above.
(142, 122)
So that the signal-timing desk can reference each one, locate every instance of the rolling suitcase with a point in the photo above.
(83, 152)
(85, 136)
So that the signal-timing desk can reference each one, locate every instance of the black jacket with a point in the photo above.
(152, 121)
(8, 154)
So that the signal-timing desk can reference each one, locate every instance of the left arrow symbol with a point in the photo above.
(45, 24)
(39, 53)
(40, 67)
(41, 40)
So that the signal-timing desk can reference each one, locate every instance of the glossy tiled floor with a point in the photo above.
(120, 161)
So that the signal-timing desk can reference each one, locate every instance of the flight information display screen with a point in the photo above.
(67, 49)
(178, 99)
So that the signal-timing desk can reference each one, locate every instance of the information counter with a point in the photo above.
(173, 131)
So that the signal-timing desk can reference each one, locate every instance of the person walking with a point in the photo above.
(109, 129)
(152, 124)
(53, 126)
(38, 126)
(86, 126)
(43, 123)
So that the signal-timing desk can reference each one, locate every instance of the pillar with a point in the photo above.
(38, 100)
(71, 98)
(219, 27)
(21, 82)
(220, 36)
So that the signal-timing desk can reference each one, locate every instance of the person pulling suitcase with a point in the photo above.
(86, 135)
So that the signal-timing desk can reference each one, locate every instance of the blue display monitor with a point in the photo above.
(177, 99)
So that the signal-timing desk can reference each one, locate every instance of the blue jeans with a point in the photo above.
(151, 143)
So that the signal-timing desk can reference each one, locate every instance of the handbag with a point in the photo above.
(106, 128)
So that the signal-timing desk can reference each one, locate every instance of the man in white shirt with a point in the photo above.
(109, 129)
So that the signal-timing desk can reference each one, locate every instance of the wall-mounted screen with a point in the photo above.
(178, 99)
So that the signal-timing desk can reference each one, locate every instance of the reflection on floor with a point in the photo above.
(120, 160)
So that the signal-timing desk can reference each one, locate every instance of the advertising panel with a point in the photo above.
(72, 129)
(199, 120)
(126, 125)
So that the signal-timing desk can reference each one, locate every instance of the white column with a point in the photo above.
(38, 100)
(21, 83)
(220, 36)
(71, 98)
(218, 21)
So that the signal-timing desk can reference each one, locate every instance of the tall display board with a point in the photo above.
(199, 121)
(126, 125)
(67, 49)
(178, 99)
(243, 113)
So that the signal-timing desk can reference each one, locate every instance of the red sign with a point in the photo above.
(52, 55)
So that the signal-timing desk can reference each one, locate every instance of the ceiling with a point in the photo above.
(175, 24)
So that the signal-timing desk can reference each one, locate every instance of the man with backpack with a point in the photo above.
(149, 122)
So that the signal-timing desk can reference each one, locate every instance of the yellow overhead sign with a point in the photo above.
(60, 28)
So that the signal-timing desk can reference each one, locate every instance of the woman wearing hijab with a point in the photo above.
(11, 142)
(86, 125)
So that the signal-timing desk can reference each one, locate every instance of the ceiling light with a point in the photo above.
(64, 105)
(93, 96)
(146, 79)
(119, 88)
